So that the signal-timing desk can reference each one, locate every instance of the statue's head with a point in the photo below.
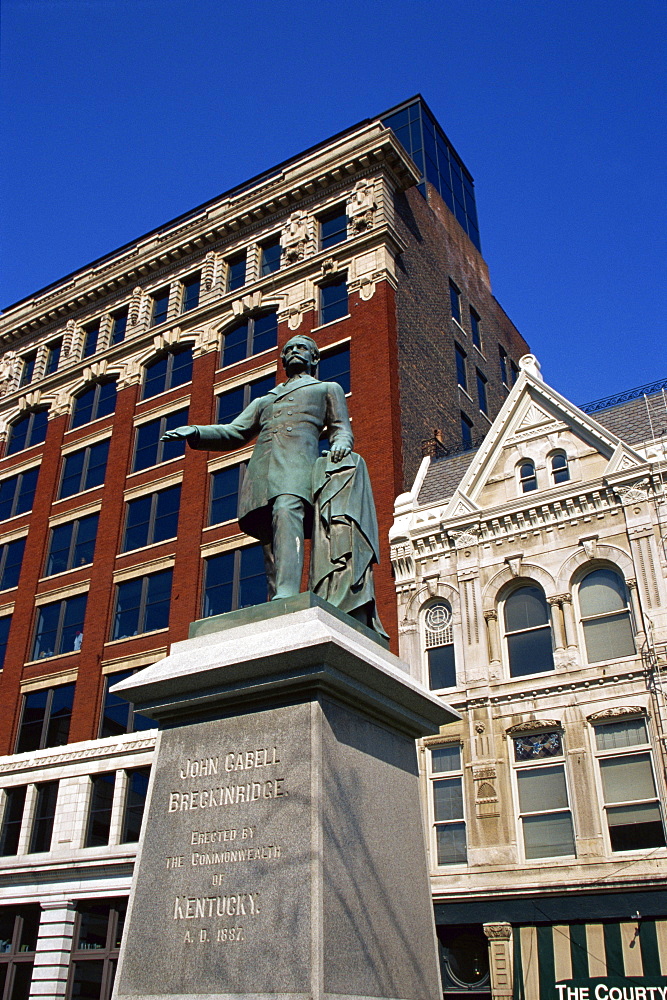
(301, 347)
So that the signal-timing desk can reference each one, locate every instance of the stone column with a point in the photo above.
(557, 623)
(500, 959)
(570, 624)
(636, 611)
(491, 619)
(54, 947)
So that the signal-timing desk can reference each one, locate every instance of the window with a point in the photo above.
(605, 616)
(225, 487)
(250, 337)
(118, 326)
(151, 518)
(235, 579)
(559, 467)
(481, 391)
(27, 369)
(91, 335)
(455, 301)
(333, 228)
(96, 402)
(142, 605)
(527, 477)
(45, 718)
(236, 272)
(191, 290)
(11, 822)
(544, 809)
(27, 431)
(515, 371)
(334, 366)
(440, 646)
(19, 927)
(118, 714)
(528, 632)
(466, 431)
(333, 301)
(11, 557)
(135, 802)
(97, 935)
(474, 329)
(461, 376)
(159, 306)
(84, 469)
(149, 449)
(17, 493)
(447, 798)
(234, 402)
(464, 959)
(502, 358)
(53, 357)
(270, 260)
(59, 627)
(99, 812)
(45, 814)
(5, 625)
(167, 372)
(72, 545)
(631, 803)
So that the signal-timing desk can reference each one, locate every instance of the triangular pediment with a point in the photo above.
(533, 417)
(460, 504)
(624, 458)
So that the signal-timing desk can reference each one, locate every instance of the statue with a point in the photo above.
(287, 485)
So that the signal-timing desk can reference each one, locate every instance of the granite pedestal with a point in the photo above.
(283, 849)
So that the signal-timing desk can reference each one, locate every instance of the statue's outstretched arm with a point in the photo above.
(220, 437)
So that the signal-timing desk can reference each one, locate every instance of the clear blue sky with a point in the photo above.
(118, 115)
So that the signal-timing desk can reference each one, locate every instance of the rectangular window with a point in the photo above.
(502, 358)
(118, 326)
(631, 803)
(168, 371)
(333, 228)
(544, 809)
(11, 821)
(135, 803)
(45, 718)
(334, 366)
(466, 432)
(455, 301)
(59, 627)
(191, 290)
(461, 376)
(149, 449)
(151, 518)
(45, 814)
(5, 625)
(234, 402)
(27, 369)
(99, 813)
(84, 469)
(236, 267)
(72, 545)
(333, 301)
(142, 604)
(18, 493)
(118, 714)
(515, 371)
(270, 257)
(98, 401)
(481, 391)
(225, 487)
(474, 329)
(98, 931)
(19, 926)
(254, 335)
(446, 775)
(235, 579)
(11, 557)
(91, 335)
(159, 306)
(53, 357)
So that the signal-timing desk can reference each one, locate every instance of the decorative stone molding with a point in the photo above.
(514, 563)
(30, 400)
(491, 615)
(162, 341)
(135, 306)
(61, 404)
(98, 369)
(294, 237)
(589, 544)
(465, 537)
(406, 626)
(329, 266)
(502, 932)
(634, 493)
(130, 374)
(208, 270)
(484, 773)
(486, 793)
(616, 713)
(247, 304)
(533, 726)
(206, 340)
(68, 756)
(360, 207)
(10, 366)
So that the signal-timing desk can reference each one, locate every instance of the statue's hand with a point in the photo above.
(181, 434)
(338, 451)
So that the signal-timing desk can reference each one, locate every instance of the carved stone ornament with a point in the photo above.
(407, 625)
(294, 318)
(484, 773)
(9, 371)
(135, 306)
(514, 563)
(294, 237)
(533, 725)
(360, 207)
(208, 270)
(61, 404)
(615, 713)
(589, 545)
(241, 307)
(467, 536)
(329, 266)
(501, 932)
(633, 494)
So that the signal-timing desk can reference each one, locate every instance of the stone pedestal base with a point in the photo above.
(283, 853)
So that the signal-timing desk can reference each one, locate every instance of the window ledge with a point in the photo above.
(51, 656)
(159, 465)
(139, 635)
(63, 573)
(143, 548)
(458, 326)
(466, 393)
(323, 326)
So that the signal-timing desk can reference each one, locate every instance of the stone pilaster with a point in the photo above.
(54, 946)
(557, 622)
(493, 636)
(500, 959)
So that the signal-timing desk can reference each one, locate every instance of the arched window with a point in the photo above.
(28, 430)
(560, 470)
(168, 371)
(605, 616)
(256, 334)
(528, 631)
(99, 400)
(527, 476)
(440, 646)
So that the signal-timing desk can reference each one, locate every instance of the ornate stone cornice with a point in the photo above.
(533, 726)
(66, 756)
(616, 712)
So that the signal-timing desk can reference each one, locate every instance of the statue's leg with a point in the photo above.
(287, 518)
(270, 570)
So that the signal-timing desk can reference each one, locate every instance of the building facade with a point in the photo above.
(112, 542)
(531, 580)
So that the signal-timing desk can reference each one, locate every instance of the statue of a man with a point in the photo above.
(275, 505)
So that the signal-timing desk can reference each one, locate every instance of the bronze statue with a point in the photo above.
(277, 494)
